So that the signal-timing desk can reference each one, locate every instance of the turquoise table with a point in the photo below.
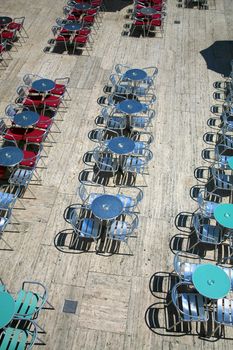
(211, 281)
(7, 308)
(230, 162)
(223, 213)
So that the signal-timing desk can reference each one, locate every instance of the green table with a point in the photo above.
(7, 308)
(223, 213)
(230, 162)
(211, 281)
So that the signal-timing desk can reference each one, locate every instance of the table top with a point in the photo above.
(211, 281)
(7, 307)
(72, 26)
(26, 118)
(43, 85)
(10, 156)
(230, 162)
(148, 11)
(81, 6)
(130, 106)
(121, 145)
(223, 213)
(107, 207)
(4, 20)
(135, 74)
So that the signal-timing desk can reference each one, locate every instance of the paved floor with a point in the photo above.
(113, 292)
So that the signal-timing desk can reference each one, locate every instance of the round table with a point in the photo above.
(4, 20)
(107, 207)
(72, 26)
(211, 281)
(26, 118)
(81, 7)
(230, 162)
(135, 74)
(121, 145)
(7, 307)
(130, 106)
(43, 85)
(148, 11)
(223, 213)
(10, 156)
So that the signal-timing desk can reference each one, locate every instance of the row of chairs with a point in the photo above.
(147, 24)
(22, 331)
(75, 32)
(105, 165)
(204, 230)
(11, 33)
(31, 140)
(199, 4)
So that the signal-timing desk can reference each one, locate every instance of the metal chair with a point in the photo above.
(30, 300)
(86, 194)
(83, 226)
(190, 305)
(223, 313)
(111, 121)
(142, 122)
(142, 141)
(185, 264)
(120, 69)
(207, 202)
(121, 230)
(221, 180)
(131, 199)
(105, 162)
(206, 232)
(19, 338)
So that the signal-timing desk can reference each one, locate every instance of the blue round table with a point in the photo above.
(43, 85)
(7, 307)
(81, 7)
(230, 162)
(121, 145)
(4, 20)
(26, 118)
(72, 26)
(107, 207)
(130, 106)
(223, 213)
(135, 74)
(211, 281)
(148, 11)
(10, 156)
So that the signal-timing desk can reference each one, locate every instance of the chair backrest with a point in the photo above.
(21, 91)
(104, 113)
(83, 194)
(135, 223)
(196, 223)
(27, 79)
(112, 78)
(12, 338)
(139, 196)
(3, 126)
(11, 110)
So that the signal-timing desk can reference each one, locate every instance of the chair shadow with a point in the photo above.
(161, 282)
(218, 57)
(194, 191)
(67, 241)
(116, 5)
(186, 243)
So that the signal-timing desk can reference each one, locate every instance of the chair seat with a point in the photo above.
(26, 304)
(34, 135)
(7, 35)
(134, 164)
(15, 26)
(6, 199)
(13, 338)
(44, 122)
(118, 230)
(16, 134)
(30, 102)
(116, 122)
(52, 101)
(139, 147)
(210, 234)
(209, 208)
(61, 38)
(80, 39)
(59, 89)
(139, 122)
(3, 222)
(29, 159)
(89, 228)
(224, 312)
(193, 307)
(21, 177)
(127, 201)
(107, 164)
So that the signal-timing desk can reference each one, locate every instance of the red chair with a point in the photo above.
(80, 42)
(18, 25)
(60, 88)
(35, 135)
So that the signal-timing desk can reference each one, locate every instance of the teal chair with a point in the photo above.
(18, 339)
(30, 300)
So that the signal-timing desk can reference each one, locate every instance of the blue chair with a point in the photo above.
(185, 264)
(207, 202)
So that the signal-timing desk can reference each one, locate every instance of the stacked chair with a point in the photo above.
(74, 33)
(28, 140)
(207, 241)
(120, 176)
(147, 18)
(12, 34)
